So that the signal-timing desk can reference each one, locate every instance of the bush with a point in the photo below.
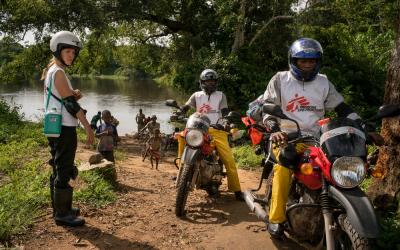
(390, 234)
(245, 157)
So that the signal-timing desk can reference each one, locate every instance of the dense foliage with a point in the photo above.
(245, 41)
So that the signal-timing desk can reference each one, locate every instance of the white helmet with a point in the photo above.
(62, 40)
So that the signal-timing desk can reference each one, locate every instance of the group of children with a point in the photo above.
(108, 135)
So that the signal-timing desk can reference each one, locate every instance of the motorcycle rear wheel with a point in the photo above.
(183, 188)
(349, 237)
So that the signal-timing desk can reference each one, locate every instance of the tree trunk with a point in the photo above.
(385, 192)
(240, 28)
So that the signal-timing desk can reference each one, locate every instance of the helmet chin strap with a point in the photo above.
(59, 58)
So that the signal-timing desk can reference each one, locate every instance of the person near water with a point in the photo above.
(151, 126)
(65, 47)
(96, 118)
(106, 133)
(140, 120)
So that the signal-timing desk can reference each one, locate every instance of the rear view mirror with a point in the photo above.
(171, 103)
(389, 110)
(233, 116)
(273, 109)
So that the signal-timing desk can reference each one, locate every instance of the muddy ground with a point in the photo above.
(143, 215)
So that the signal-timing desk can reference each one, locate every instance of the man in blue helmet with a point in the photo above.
(305, 96)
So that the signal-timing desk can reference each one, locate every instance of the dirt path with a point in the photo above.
(143, 216)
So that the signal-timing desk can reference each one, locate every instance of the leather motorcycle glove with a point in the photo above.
(184, 108)
(279, 138)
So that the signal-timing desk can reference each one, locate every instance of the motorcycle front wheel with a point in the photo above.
(348, 238)
(183, 188)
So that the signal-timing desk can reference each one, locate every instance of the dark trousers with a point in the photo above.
(62, 151)
(108, 155)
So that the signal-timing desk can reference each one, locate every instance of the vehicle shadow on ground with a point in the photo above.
(225, 210)
(103, 240)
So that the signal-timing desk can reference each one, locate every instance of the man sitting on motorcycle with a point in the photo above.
(213, 103)
(305, 96)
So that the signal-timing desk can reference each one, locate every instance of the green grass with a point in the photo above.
(246, 158)
(22, 197)
(119, 155)
(24, 187)
(97, 191)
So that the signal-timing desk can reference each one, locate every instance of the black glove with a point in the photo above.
(74, 172)
(272, 125)
(217, 126)
(184, 108)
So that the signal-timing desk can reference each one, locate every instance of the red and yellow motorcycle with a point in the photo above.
(326, 206)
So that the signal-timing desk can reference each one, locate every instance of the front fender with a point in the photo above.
(190, 155)
(359, 210)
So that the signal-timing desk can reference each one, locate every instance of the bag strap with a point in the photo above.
(50, 93)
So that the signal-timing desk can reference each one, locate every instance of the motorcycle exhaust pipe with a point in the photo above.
(254, 206)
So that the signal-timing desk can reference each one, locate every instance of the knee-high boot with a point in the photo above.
(73, 210)
(62, 205)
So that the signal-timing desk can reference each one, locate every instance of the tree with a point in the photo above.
(386, 191)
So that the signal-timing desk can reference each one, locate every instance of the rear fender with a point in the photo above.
(359, 210)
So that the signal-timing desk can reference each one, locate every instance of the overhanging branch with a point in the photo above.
(265, 26)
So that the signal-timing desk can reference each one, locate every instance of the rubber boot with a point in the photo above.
(62, 204)
(73, 210)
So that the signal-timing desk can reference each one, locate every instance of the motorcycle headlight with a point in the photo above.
(348, 172)
(194, 138)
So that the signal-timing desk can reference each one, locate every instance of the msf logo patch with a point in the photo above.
(205, 108)
(298, 103)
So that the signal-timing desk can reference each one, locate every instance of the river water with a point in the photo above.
(123, 98)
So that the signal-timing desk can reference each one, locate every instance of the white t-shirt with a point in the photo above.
(67, 118)
(209, 105)
(305, 102)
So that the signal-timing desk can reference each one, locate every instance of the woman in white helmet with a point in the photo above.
(65, 47)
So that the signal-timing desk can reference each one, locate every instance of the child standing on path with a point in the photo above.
(107, 133)
(153, 147)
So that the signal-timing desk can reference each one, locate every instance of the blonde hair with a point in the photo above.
(51, 63)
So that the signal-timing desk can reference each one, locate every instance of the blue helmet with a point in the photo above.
(305, 48)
